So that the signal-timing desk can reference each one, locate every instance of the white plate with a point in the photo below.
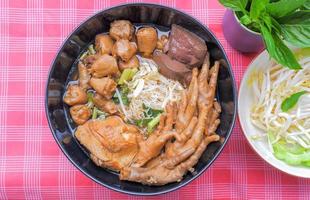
(245, 101)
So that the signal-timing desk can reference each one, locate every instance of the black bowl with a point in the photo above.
(65, 63)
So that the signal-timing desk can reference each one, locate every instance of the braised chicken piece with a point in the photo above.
(121, 29)
(84, 76)
(112, 143)
(105, 105)
(75, 95)
(147, 40)
(80, 113)
(132, 63)
(124, 49)
(90, 59)
(103, 44)
(161, 43)
(105, 65)
(103, 86)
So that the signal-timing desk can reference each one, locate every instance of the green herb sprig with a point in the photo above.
(276, 20)
(291, 101)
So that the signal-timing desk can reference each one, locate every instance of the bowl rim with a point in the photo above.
(229, 132)
(242, 121)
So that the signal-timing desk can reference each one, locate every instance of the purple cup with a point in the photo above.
(239, 36)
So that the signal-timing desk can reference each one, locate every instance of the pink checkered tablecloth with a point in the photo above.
(31, 164)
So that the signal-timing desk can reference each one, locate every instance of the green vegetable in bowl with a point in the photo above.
(127, 75)
(153, 123)
(90, 101)
(98, 114)
(151, 119)
(278, 20)
(151, 112)
(291, 101)
(143, 122)
(291, 153)
(123, 90)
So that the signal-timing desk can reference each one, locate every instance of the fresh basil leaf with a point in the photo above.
(291, 101)
(245, 20)
(296, 28)
(257, 6)
(297, 35)
(298, 17)
(268, 39)
(276, 26)
(284, 55)
(267, 20)
(284, 7)
(307, 5)
(235, 5)
(277, 49)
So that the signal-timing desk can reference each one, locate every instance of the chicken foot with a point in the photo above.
(161, 175)
(152, 146)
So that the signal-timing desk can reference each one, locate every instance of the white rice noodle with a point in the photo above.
(150, 88)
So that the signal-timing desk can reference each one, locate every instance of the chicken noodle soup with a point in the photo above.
(144, 102)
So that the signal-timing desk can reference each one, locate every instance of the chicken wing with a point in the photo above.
(103, 86)
(103, 44)
(80, 113)
(124, 49)
(105, 65)
(121, 29)
(147, 40)
(75, 95)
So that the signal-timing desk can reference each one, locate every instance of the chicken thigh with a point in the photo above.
(111, 142)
